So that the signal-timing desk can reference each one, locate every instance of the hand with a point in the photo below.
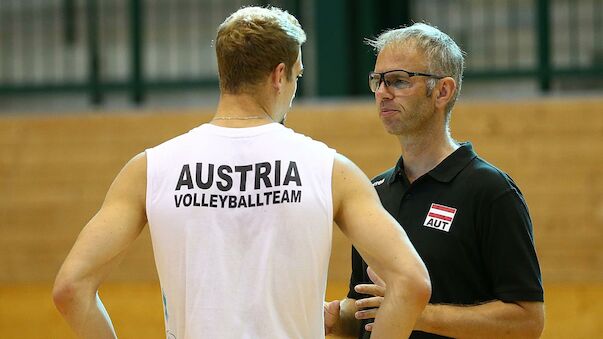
(377, 290)
(331, 314)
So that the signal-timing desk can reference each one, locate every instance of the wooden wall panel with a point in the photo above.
(554, 150)
(54, 172)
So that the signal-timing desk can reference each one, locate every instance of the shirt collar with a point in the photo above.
(397, 173)
(446, 170)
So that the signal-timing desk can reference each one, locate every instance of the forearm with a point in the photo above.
(399, 311)
(86, 315)
(494, 319)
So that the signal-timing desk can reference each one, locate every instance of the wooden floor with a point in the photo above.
(26, 311)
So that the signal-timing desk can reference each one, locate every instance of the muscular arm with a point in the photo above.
(495, 319)
(384, 246)
(98, 249)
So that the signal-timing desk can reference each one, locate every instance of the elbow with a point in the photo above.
(66, 293)
(421, 284)
(533, 330)
(63, 294)
(536, 326)
(537, 332)
(416, 287)
(533, 320)
(422, 288)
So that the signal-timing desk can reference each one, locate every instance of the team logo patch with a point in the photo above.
(440, 217)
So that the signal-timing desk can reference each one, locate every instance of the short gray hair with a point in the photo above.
(443, 55)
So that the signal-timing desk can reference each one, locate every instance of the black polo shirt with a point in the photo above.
(470, 224)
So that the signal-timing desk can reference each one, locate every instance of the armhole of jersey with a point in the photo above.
(149, 193)
(331, 162)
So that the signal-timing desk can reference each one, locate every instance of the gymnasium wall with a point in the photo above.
(54, 172)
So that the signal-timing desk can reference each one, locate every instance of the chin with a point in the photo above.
(393, 128)
(393, 132)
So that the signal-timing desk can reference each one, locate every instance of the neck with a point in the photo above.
(425, 150)
(241, 110)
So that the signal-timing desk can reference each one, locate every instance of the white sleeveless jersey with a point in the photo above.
(241, 225)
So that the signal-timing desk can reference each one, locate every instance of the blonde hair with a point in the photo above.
(251, 42)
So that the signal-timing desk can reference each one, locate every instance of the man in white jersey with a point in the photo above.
(240, 212)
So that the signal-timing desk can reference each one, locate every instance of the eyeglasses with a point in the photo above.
(397, 79)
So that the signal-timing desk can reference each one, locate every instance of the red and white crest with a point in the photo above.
(440, 217)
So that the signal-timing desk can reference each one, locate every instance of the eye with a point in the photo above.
(374, 82)
(399, 83)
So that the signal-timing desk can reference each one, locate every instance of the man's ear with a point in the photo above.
(278, 76)
(445, 91)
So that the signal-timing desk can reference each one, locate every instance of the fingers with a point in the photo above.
(372, 304)
(378, 291)
(375, 277)
(369, 327)
(332, 307)
(369, 302)
(331, 315)
(371, 313)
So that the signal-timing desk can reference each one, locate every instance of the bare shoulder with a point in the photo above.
(138, 162)
(351, 188)
(131, 181)
(136, 167)
(345, 170)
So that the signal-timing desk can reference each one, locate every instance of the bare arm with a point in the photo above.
(495, 319)
(384, 246)
(98, 249)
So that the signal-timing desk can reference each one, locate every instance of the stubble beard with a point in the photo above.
(408, 122)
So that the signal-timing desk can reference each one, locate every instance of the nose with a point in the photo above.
(382, 90)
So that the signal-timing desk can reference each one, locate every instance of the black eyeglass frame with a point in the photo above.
(410, 75)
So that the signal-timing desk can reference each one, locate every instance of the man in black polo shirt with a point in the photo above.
(467, 219)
